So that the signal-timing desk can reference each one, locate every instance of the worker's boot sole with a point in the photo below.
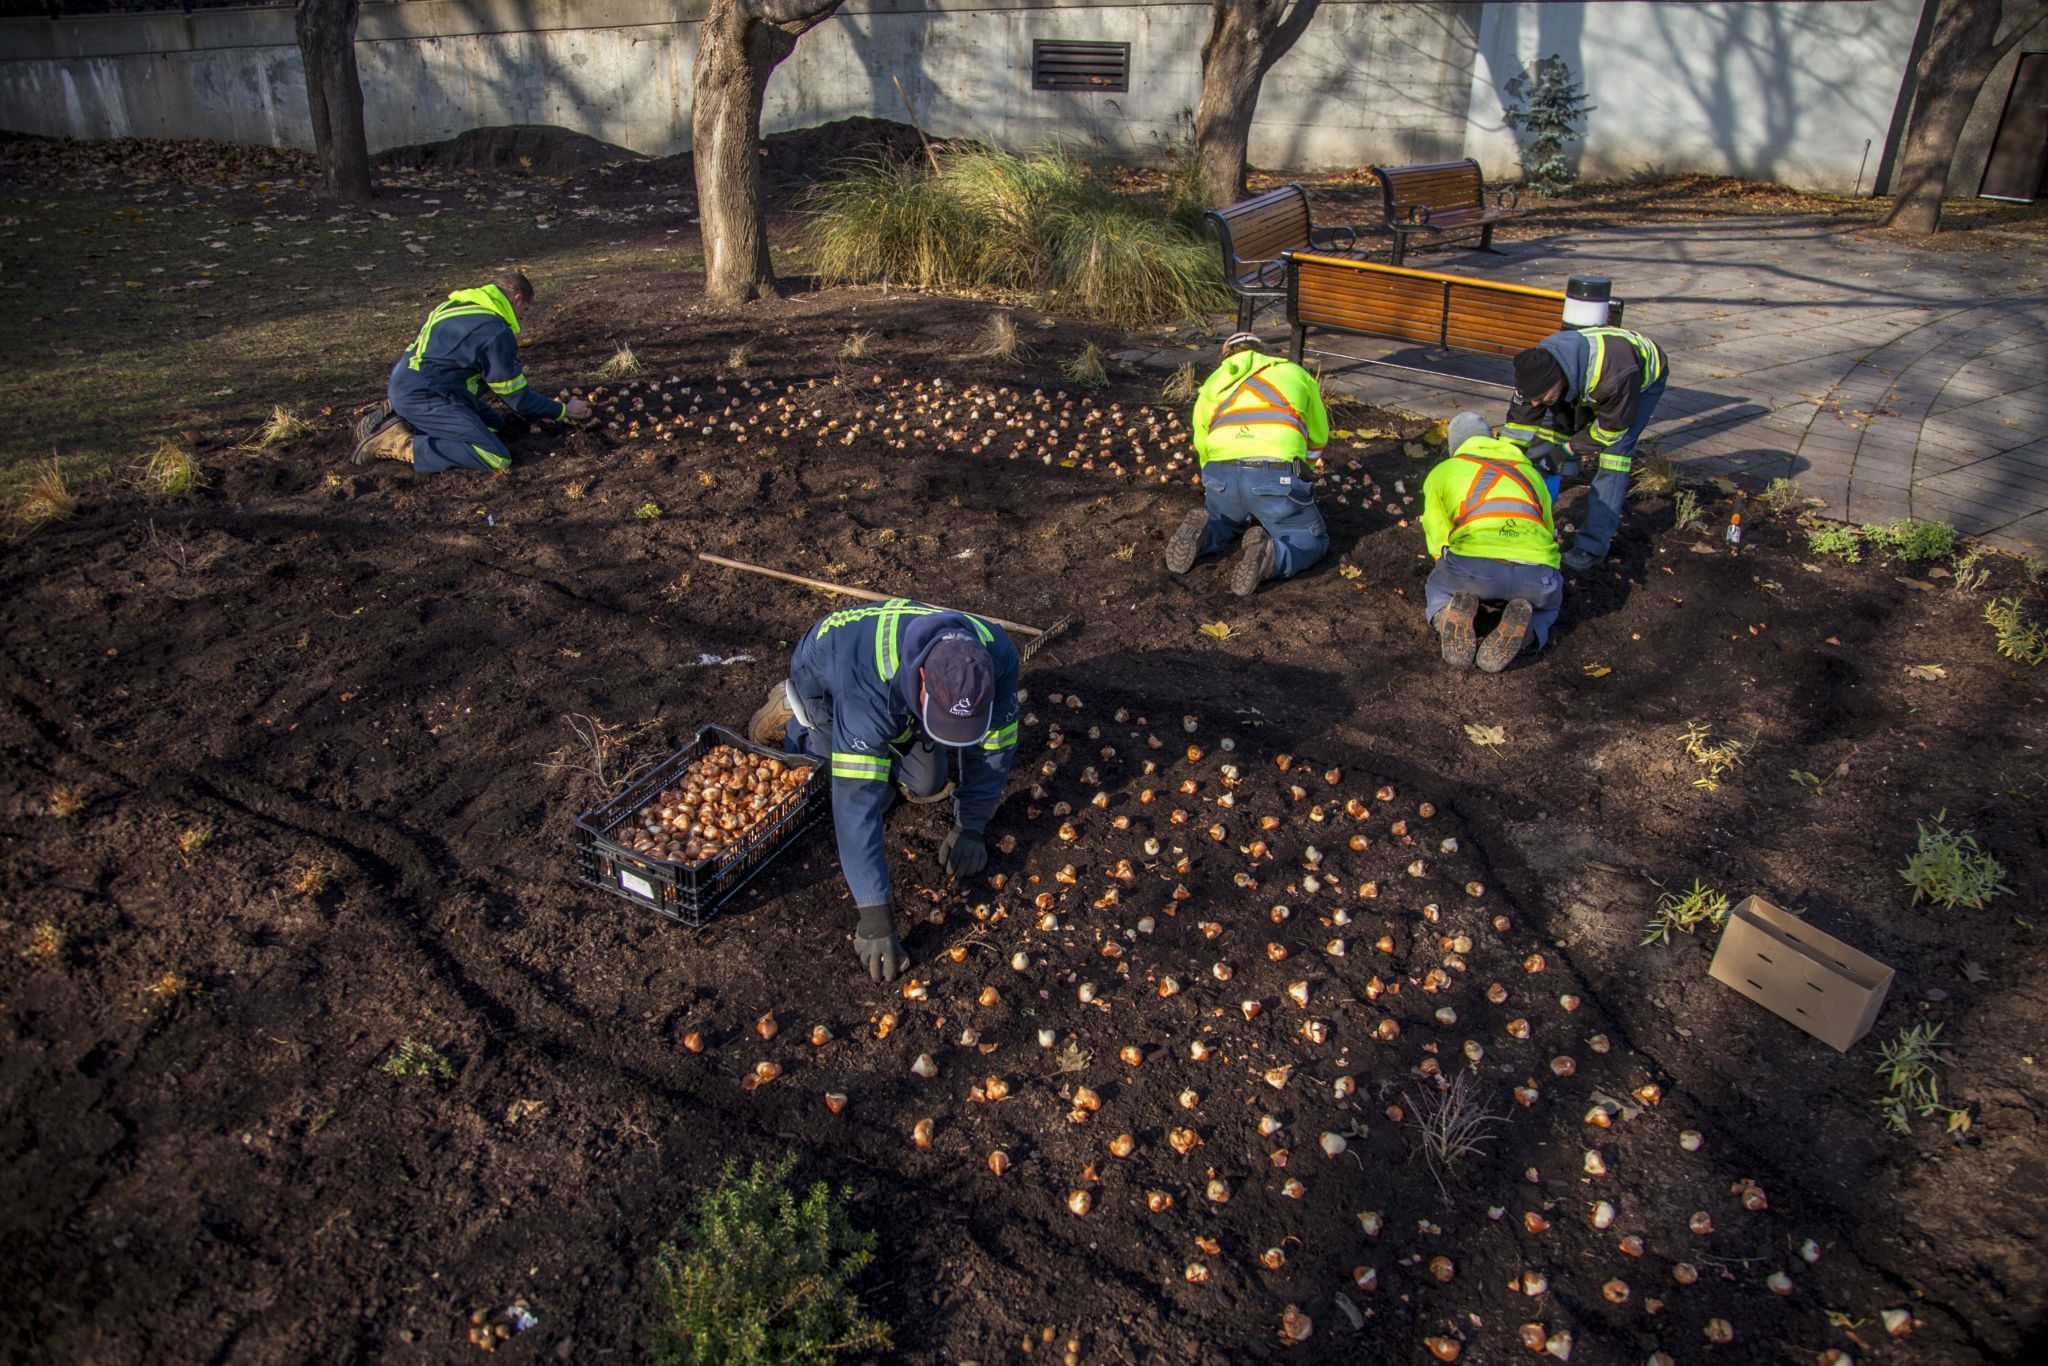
(392, 441)
(1186, 544)
(1254, 565)
(941, 795)
(770, 725)
(373, 420)
(1455, 630)
(1508, 639)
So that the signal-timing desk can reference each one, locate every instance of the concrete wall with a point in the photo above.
(1785, 90)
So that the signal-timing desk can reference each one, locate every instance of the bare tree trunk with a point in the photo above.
(739, 45)
(1246, 37)
(334, 96)
(1961, 53)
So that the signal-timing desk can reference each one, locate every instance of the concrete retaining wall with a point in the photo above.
(1785, 91)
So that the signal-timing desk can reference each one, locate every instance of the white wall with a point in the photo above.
(1787, 92)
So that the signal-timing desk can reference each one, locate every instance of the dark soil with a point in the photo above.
(529, 148)
(352, 678)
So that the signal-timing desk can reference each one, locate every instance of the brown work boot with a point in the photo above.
(1186, 543)
(770, 725)
(1455, 630)
(392, 441)
(1254, 565)
(1509, 638)
(370, 421)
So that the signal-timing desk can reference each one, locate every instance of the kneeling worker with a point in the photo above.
(435, 416)
(1259, 432)
(863, 683)
(1487, 523)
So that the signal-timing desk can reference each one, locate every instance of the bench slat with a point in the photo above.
(1451, 311)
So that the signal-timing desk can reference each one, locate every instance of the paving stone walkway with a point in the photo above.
(1887, 381)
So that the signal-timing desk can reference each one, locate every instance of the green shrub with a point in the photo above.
(1914, 542)
(1782, 496)
(1950, 870)
(1684, 912)
(415, 1059)
(1839, 539)
(1044, 224)
(1911, 1087)
(2020, 638)
(763, 1278)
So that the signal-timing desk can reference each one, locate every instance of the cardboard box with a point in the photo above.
(1793, 970)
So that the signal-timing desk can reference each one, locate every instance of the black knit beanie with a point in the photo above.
(1537, 373)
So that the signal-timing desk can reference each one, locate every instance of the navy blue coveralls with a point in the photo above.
(853, 682)
(470, 341)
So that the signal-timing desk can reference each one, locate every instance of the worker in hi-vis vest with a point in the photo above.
(1582, 398)
(1487, 523)
(1259, 432)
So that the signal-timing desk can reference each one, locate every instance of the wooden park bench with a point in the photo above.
(1449, 312)
(1445, 196)
(1255, 233)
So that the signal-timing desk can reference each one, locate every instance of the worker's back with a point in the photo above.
(1489, 502)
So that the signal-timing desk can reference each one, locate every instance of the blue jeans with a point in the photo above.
(1275, 495)
(452, 433)
(1496, 581)
(1610, 481)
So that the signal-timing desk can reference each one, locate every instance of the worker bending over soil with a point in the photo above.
(1259, 433)
(901, 691)
(1585, 395)
(435, 416)
(1487, 522)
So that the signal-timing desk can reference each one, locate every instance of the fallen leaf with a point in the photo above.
(1974, 971)
(1349, 571)
(1219, 629)
(1926, 672)
(1489, 736)
(1597, 671)
(1415, 450)
(1921, 584)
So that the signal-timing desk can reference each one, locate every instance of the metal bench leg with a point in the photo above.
(1245, 308)
(1297, 343)
(1400, 247)
(1486, 241)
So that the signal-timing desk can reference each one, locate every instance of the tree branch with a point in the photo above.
(2022, 27)
(1290, 29)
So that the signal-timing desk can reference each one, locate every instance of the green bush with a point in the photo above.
(1951, 871)
(1842, 541)
(762, 1278)
(1046, 225)
(2019, 637)
(1914, 542)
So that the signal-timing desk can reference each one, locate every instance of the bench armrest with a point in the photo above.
(1403, 216)
(1258, 273)
(1337, 237)
(1504, 199)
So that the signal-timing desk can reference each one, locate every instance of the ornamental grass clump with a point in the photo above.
(1044, 225)
(763, 1277)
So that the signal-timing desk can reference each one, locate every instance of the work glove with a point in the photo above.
(576, 410)
(874, 939)
(963, 853)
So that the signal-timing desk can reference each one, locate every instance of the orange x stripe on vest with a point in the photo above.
(1274, 408)
(1480, 504)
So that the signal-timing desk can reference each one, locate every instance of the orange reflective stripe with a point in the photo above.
(1480, 505)
(1276, 408)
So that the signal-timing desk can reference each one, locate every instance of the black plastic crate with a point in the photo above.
(692, 894)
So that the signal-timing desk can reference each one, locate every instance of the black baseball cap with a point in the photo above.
(959, 690)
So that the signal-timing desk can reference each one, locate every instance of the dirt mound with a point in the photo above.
(535, 148)
(789, 161)
(191, 161)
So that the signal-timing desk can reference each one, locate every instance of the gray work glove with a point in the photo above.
(964, 853)
(874, 939)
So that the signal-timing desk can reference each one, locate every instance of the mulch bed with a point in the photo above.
(363, 672)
